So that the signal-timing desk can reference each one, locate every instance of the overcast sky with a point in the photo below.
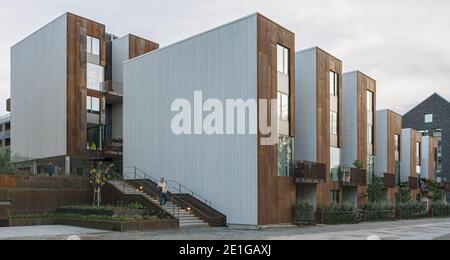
(403, 44)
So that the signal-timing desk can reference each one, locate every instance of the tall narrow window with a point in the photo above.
(285, 156)
(282, 59)
(93, 46)
(397, 147)
(95, 76)
(93, 105)
(283, 106)
(333, 123)
(418, 154)
(334, 83)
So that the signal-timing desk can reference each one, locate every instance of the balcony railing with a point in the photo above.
(413, 183)
(389, 180)
(309, 172)
(354, 177)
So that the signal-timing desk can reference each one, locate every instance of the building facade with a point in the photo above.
(359, 124)
(319, 128)
(389, 152)
(411, 164)
(431, 118)
(249, 59)
(5, 131)
(63, 105)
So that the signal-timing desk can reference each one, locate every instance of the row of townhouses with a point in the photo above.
(80, 95)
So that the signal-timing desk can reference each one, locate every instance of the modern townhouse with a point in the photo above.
(411, 163)
(240, 170)
(431, 118)
(319, 128)
(66, 94)
(429, 165)
(359, 146)
(389, 152)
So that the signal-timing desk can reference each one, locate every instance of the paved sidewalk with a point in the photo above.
(425, 229)
(36, 232)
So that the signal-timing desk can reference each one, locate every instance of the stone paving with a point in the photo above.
(426, 229)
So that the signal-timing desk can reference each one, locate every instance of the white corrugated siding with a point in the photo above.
(120, 54)
(223, 64)
(381, 161)
(426, 160)
(405, 165)
(39, 92)
(306, 123)
(350, 118)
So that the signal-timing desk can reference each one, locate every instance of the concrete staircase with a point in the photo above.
(186, 218)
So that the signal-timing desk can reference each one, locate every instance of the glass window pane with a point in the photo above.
(279, 105)
(95, 104)
(333, 123)
(286, 61)
(89, 103)
(331, 83)
(369, 101)
(95, 46)
(95, 76)
(285, 156)
(89, 44)
(280, 59)
(284, 107)
(429, 118)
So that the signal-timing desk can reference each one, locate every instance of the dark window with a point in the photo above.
(334, 84)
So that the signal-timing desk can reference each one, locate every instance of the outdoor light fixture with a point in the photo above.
(189, 209)
(141, 188)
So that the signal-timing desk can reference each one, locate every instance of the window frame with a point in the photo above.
(90, 105)
(334, 83)
(429, 118)
(283, 59)
(90, 40)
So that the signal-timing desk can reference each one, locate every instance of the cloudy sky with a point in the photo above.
(403, 44)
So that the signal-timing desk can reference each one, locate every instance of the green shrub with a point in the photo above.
(441, 209)
(335, 214)
(412, 210)
(304, 213)
(378, 211)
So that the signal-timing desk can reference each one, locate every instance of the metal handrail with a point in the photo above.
(142, 184)
(180, 186)
(138, 173)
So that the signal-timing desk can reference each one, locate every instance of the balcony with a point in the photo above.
(113, 91)
(413, 183)
(354, 177)
(309, 172)
(389, 181)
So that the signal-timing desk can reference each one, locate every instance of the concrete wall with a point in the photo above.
(222, 168)
(39, 92)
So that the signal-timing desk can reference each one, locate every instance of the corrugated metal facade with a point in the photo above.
(223, 168)
(381, 161)
(120, 54)
(426, 160)
(306, 105)
(350, 118)
(405, 165)
(39, 104)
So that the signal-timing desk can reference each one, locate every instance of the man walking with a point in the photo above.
(162, 188)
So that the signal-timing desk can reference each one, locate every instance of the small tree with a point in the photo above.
(99, 176)
(376, 191)
(435, 191)
(358, 164)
